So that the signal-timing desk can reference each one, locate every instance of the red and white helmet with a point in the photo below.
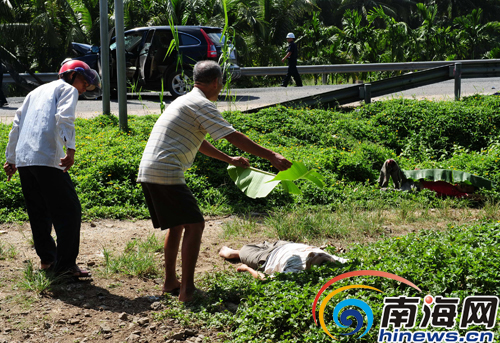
(90, 75)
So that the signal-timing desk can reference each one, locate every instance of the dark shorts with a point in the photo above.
(171, 205)
(255, 255)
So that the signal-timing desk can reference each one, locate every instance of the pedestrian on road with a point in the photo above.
(175, 139)
(42, 128)
(291, 56)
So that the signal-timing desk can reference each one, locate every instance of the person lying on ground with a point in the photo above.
(442, 188)
(278, 257)
(391, 169)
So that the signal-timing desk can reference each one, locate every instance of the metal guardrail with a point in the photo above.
(358, 68)
(45, 77)
(366, 91)
(435, 72)
(314, 69)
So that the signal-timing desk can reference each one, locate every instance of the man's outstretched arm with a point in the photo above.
(244, 143)
(209, 150)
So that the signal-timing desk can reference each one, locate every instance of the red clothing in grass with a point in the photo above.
(443, 188)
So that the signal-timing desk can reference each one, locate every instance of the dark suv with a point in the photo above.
(147, 62)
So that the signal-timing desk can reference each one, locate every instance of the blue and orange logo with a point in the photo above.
(345, 322)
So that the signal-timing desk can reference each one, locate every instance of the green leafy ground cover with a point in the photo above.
(347, 147)
(459, 262)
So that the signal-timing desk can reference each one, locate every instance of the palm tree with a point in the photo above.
(393, 39)
(433, 40)
(400, 9)
(476, 38)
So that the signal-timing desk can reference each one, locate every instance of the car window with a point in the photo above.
(132, 39)
(185, 39)
(215, 37)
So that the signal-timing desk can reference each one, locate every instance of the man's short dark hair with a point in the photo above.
(206, 72)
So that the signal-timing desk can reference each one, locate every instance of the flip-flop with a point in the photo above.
(77, 274)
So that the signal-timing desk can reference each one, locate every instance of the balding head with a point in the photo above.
(206, 72)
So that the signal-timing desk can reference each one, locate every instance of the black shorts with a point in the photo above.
(171, 205)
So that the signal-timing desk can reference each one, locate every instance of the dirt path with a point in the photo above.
(111, 309)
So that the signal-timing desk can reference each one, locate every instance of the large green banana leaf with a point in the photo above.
(451, 176)
(257, 183)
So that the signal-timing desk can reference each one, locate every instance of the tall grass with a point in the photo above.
(139, 258)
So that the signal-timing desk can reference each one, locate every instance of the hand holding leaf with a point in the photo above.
(257, 183)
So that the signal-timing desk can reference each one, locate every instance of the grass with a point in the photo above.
(447, 247)
(35, 280)
(241, 226)
(458, 261)
(7, 251)
(348, 147)
(139, 259)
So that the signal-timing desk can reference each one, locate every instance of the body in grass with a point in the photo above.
(175, 139)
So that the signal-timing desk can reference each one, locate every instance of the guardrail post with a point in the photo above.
(324, 78)
(457, 73)
(104, 55)
(121, 71)
(368, 93)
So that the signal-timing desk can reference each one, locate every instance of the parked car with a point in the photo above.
(147, 62)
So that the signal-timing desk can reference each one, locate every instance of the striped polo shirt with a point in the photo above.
(177, 136)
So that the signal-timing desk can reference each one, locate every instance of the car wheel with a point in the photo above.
(179, 83)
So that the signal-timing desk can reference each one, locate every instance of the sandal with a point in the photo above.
(77, 274)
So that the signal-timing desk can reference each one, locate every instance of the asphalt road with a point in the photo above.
(248, 98)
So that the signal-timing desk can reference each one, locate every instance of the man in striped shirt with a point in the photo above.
(175, 139)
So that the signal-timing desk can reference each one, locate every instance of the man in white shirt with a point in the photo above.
(278, 257)
(175, 139)
(42, 128)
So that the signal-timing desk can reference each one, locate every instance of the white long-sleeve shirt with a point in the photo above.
(295, 257)
(43, 125)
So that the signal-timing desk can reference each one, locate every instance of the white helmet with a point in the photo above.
(290, 35)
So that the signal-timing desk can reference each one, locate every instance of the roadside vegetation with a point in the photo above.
(35, 36)
(446, 247)
(347, 147)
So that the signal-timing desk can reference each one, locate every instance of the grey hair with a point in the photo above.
(206, 72)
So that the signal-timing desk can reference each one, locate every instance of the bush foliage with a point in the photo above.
(348, 147)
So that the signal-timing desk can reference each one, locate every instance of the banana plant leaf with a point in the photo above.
(253, 182)
(257, 183)
(299, 171)
(451, 176)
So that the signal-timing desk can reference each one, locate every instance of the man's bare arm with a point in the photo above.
(209, 150)
(244, 143)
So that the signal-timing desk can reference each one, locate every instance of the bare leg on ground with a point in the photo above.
(190, 250)
(228, 253)
(171, 249)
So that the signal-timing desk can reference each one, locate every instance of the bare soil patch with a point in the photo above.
(111, 309)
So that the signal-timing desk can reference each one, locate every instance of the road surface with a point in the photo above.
(247, 98)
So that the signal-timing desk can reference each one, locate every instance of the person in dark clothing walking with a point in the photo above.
(3, 100)
(291, 55)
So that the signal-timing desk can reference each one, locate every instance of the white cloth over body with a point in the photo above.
(295, 257)
(43, 125)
